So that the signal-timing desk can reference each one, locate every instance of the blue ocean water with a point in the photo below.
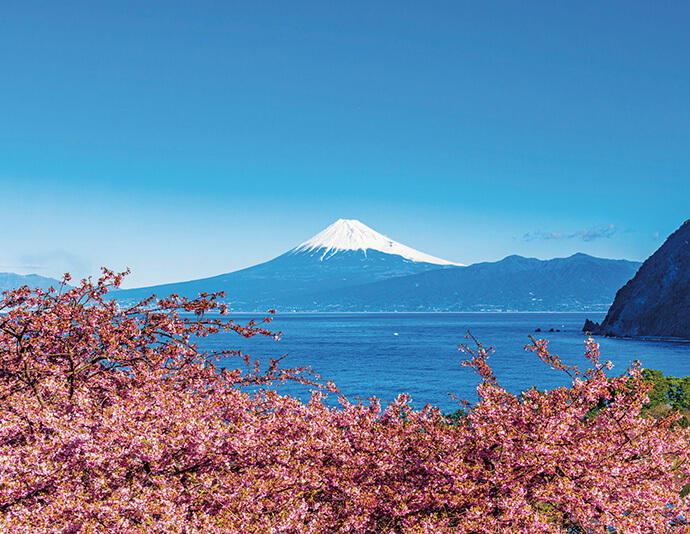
(385, 354)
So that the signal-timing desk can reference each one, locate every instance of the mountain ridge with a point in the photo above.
(579, 282)
(9, 281)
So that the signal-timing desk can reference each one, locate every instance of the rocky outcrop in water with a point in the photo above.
(656, 302)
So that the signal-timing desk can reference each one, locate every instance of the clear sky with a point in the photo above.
(189, 139)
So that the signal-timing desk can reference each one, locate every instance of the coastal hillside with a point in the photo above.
(656, 302)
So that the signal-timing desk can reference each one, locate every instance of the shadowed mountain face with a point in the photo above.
(288, 278)
(580, 282)
(656, 302)
(12, 281)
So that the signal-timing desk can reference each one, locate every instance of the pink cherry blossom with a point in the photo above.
(113, 420)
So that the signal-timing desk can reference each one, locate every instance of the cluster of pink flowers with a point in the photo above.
(112, 420)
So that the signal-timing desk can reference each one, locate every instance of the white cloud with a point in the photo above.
(590, 234)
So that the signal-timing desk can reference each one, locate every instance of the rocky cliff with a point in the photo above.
(656, 302)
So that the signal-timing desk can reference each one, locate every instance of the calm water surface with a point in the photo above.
(385, 354)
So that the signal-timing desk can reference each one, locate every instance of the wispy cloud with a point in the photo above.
(590, 234)
(21, 266)
(655, 235)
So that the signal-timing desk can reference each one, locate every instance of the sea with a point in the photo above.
(385, 354)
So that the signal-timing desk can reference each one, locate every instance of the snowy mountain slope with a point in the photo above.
(350, 234)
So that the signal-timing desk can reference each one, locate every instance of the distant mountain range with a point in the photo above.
(350, 267)
(11, 281)
(577, 283)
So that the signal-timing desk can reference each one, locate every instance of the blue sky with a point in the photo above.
(188, 139)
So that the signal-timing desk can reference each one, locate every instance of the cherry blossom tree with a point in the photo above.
(113, 420)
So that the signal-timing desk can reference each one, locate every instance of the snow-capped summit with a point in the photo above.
(350, 234)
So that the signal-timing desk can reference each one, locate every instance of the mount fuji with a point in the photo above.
(347, 253)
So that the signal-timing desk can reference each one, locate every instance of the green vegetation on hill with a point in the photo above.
(669, 394)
